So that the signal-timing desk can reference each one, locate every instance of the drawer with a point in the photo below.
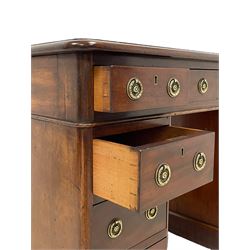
(162, 244)
(142, 169)
(207, 78)
(151, 241)
(122, 89)
(126, 228)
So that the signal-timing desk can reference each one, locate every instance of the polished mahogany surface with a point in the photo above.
(65, 123)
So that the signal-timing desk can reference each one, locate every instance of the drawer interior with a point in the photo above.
(125, 165)
(158, 135)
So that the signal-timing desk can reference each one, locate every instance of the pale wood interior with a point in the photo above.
(116, 162)
(116, 173)
(102, 89)
(161, 134)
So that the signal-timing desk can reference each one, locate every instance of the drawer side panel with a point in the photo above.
(115, 173)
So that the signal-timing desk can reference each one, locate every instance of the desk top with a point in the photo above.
(84, 45)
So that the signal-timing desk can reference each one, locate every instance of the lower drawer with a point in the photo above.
(117, 227)
(163, 244)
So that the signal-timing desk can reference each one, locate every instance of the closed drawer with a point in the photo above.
(204, 86)
(160, 245)
(126, 228)
(115, 88)
(142, 169)
(125, 89)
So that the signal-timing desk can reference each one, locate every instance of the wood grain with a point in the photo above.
(129, 126)
(111, 89)
(101, 117)
(114, 80)
(133, 125)
(162, 244)
(86, 196)
(106, 59)
(151, 240)
(212, 76)
(136, 227)
(56, 171)
(102, 93)
(115, 173)
(61, 87)
(183, 176)
(85, 91)
(119, 175)
(84, 44)
(61, 186)
(200, 205)
(47, 92)
(194, 230)
(65, 123)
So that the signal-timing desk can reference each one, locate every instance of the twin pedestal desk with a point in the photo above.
(124, 145)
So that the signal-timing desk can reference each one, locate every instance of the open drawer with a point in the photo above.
(142, 169)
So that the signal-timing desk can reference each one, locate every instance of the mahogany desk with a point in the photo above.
(124, 145)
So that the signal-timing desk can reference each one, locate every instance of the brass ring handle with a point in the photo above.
(162, 175)
(134, 88)
(151, 213)
(200, 161)
(115, 228)
(173, 87)
(203, 85)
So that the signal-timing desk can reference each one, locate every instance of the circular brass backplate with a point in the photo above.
(203, 85)
(151, 213)
(173, 87)
(134, 88)
(162, 175)
(199, 161)
(115, 228)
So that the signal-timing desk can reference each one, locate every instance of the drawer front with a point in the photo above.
(152, 240)
(113, 86)
(135, 227)
(160, 245)
(142, 169)
(209, 78)
(179, 155)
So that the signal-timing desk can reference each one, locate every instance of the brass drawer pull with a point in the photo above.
(115, 228)
(162, 175)
(173, 87)
(151, 213)
(203, 85)
(199, 161)
(134, 88)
